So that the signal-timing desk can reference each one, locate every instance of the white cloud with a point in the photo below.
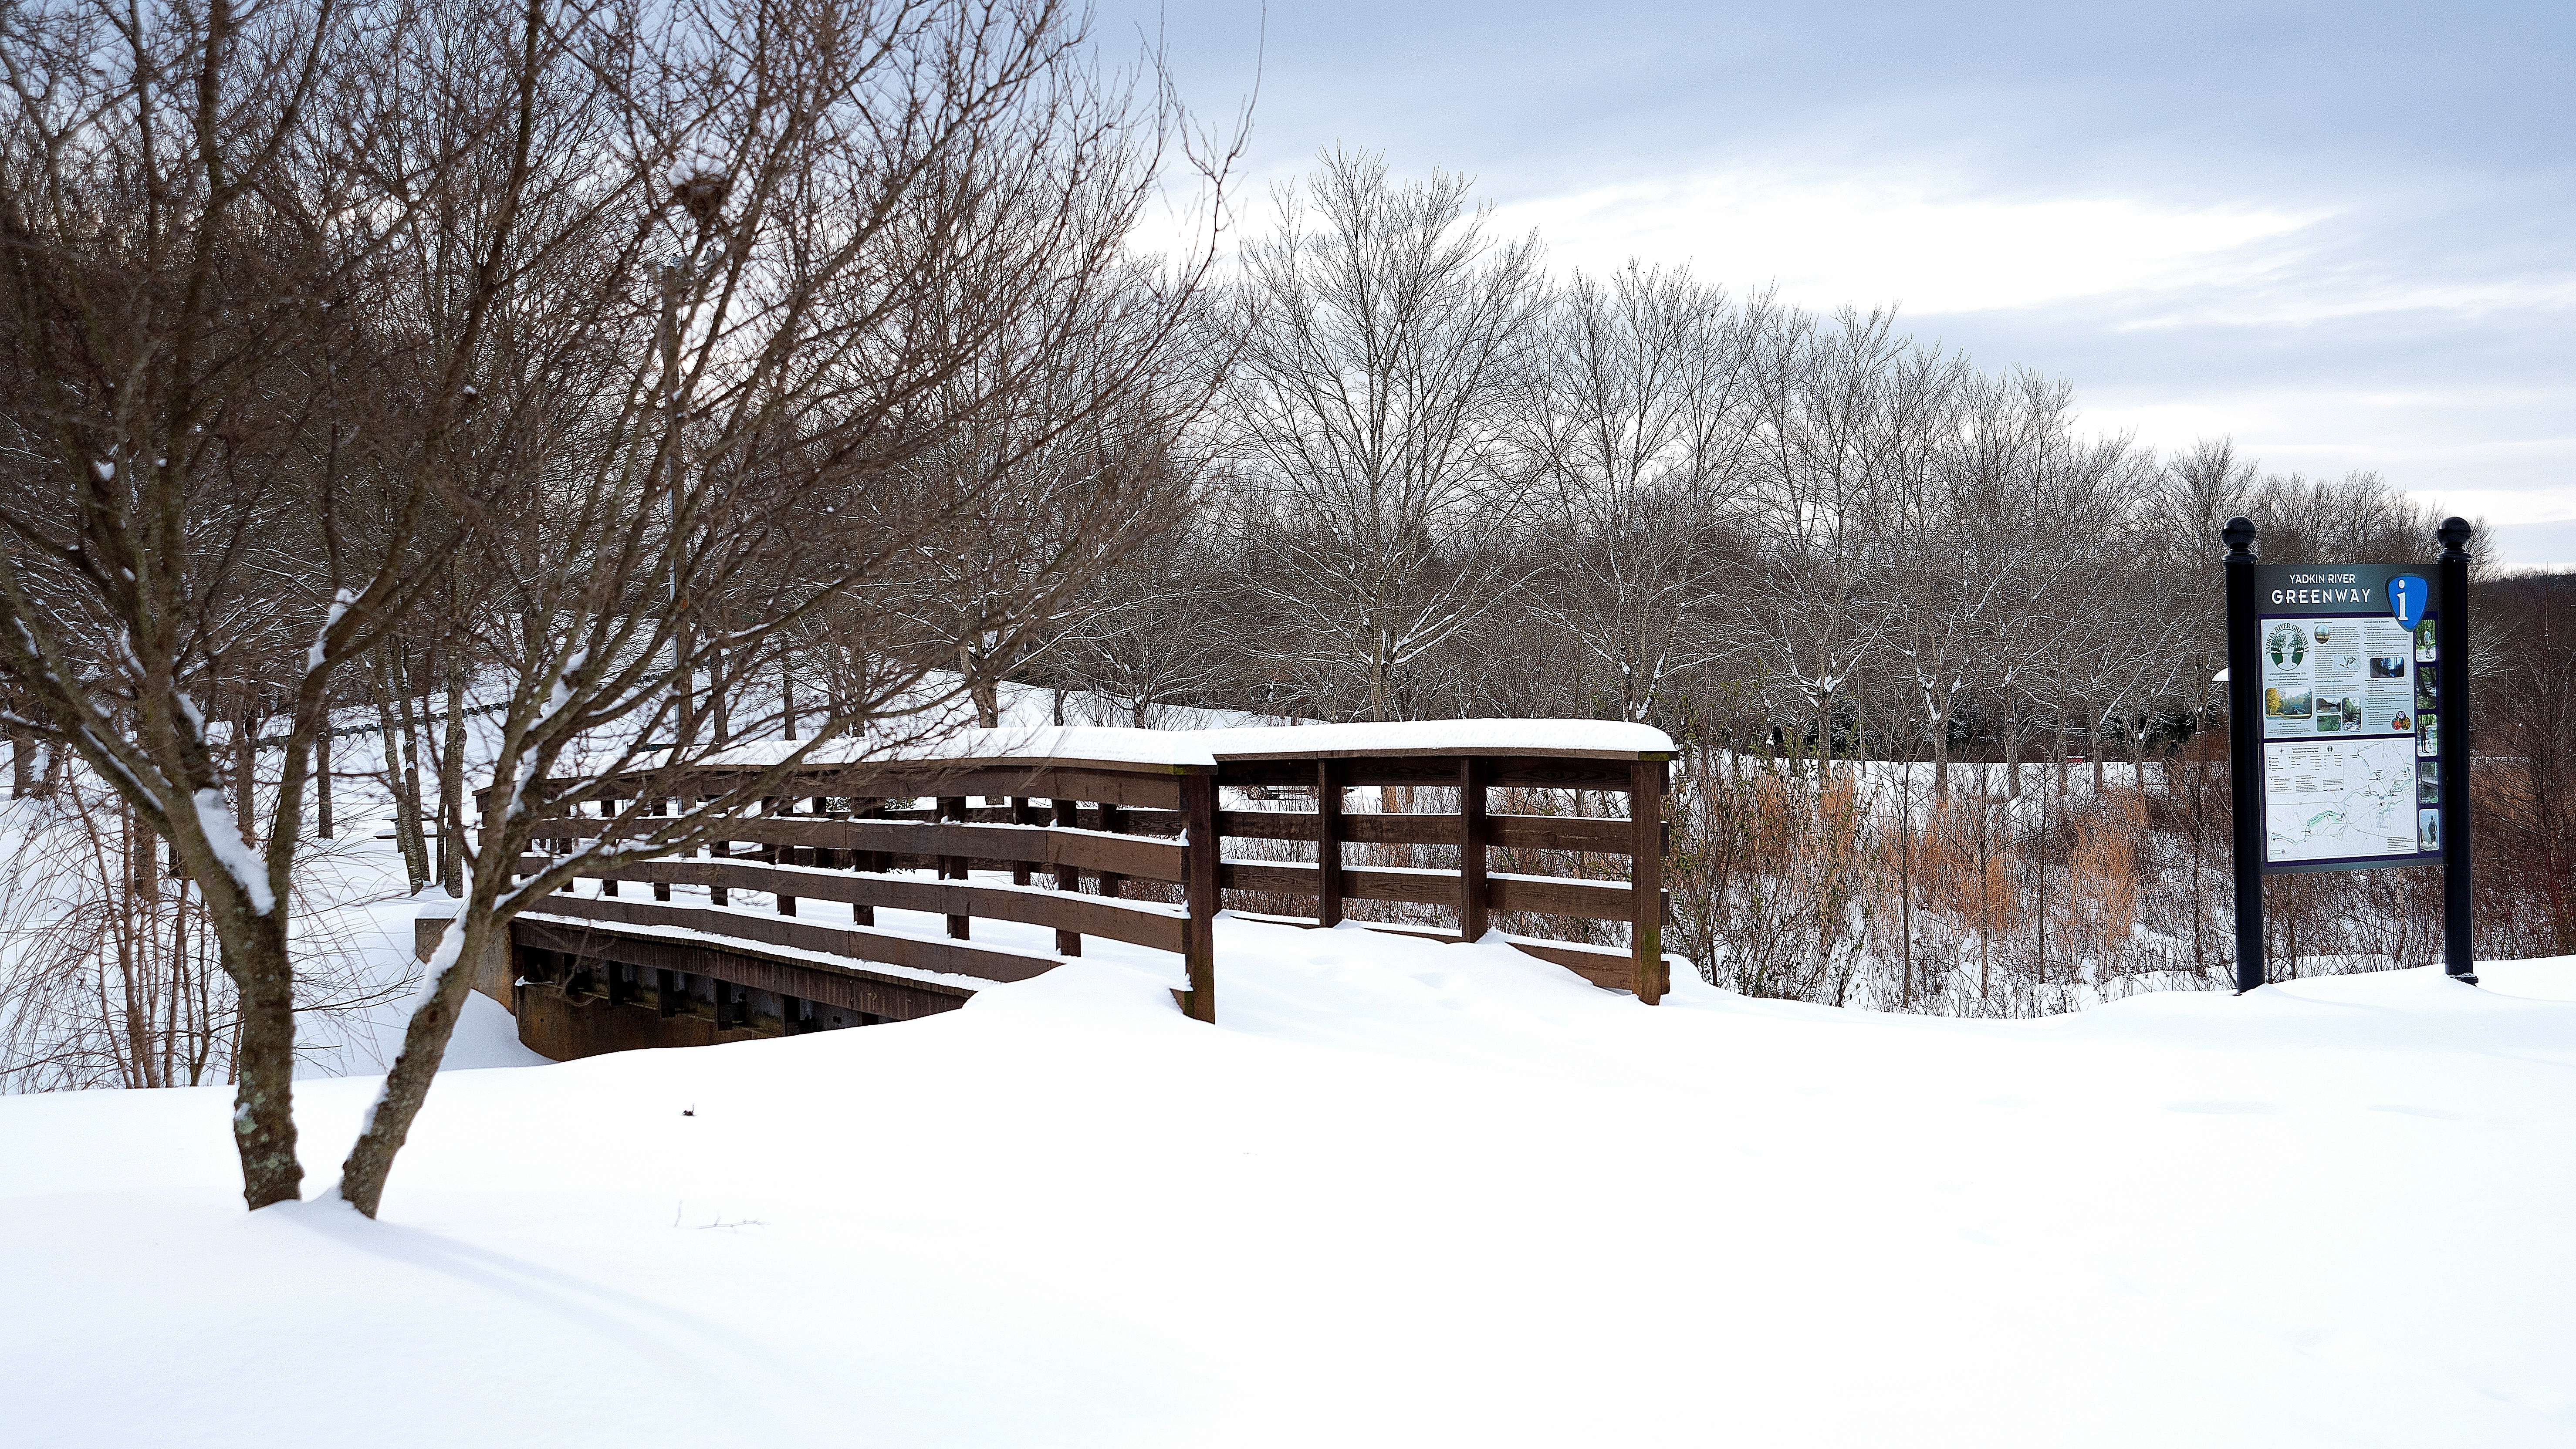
(1831, 242)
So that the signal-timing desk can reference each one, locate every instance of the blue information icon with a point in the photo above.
(2407, 596)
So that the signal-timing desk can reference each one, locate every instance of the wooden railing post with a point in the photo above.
(718, 850)
(1328, 843)
(777, 854)
(607, 811)
(1472, 836)
(1206, 897)
(953, 867)
(1022, 813)
(867, 860)
(1068, 813)
(1113, 819)
(1646, 878)
(661, 888)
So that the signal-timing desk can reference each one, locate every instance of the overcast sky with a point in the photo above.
(2338, 233)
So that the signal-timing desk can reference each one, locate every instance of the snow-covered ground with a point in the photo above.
(1401, 1194)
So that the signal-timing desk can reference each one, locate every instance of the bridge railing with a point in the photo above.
(1118, 835)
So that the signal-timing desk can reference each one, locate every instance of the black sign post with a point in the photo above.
(2245, 748)
(2347, 727)
(2454, 687)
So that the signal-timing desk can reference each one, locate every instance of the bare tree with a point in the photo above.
(868, 235)
(1380, 353)
(189, 199)
(1159, 628)
(1636, 436)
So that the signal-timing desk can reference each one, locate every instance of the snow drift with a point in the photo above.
(1402, 1194)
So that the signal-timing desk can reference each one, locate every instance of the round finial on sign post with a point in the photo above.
(2239, 534)
(2454, 534)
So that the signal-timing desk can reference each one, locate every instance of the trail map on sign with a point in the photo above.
(2340, 799)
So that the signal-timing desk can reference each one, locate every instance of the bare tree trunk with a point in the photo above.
(264, 1060)
(988, 702)
(371, 1159)
(2093, 743)
(22, 763)
(245, 769)
(451, 786)
(322, 778)
(402, 767)
(720, 698)
(2058, 725)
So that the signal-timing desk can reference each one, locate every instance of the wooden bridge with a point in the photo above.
(1081, 834)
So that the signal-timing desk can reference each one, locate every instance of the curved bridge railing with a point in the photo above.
(1118, 835)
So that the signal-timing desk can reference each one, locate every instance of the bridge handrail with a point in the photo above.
(1125, 805)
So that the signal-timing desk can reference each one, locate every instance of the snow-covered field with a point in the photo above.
(1402, 1194)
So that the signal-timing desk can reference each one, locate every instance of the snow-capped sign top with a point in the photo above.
(1107, 745)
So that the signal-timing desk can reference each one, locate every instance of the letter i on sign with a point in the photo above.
(2407, 596)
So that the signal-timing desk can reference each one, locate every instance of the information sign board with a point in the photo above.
(2348, 727)
(2352, 728)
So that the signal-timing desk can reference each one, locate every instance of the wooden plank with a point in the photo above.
(1536, 772)
(1471, 847)
(1242, 774)
(1646, 880)
(1404, 829)
(1148, 791)
(857, 945)
(893, 998)
(1206, 898)
(1267, 824)
(1385, 770)
(1291, 877)
(1228, 759)
(1553, 896)
(1515, 771)
(1608, 970)
(1562, 832)
(1511, 832)
(1589, 900)
(1005, 845)
(1152, 785)
(1141, 924)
